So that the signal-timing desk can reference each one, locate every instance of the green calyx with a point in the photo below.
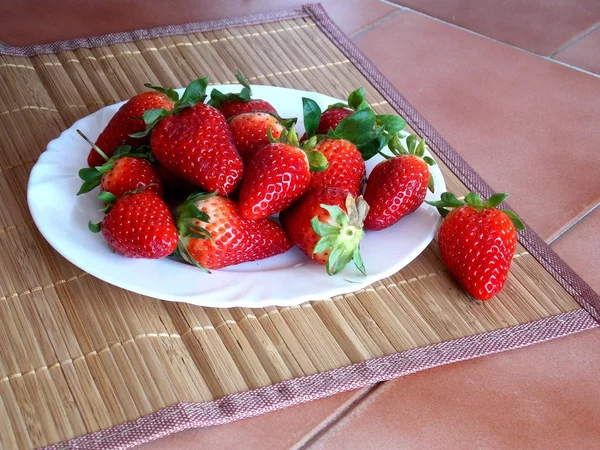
(194, 93)
(449, 201)
(217, 98)
(370, 132)
(398, 148)
(186, 218)
(317, 161)
(92, 176)
(342, 237)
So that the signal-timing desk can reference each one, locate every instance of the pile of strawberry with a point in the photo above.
(201, 181)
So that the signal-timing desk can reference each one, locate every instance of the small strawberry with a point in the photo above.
(126, 121)
(193, 141)
(139, 225)
(213, 234)
(397, 186)
(235, 104)
(249, 131)
(477, 241)
(346, 166)
(356, 122)
(326, 225)
(125, 171)
(277, 175)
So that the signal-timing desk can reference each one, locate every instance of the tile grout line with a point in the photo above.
(574, 223)
(547, 58)
(378, 22)
(307, 441)
(575, 39)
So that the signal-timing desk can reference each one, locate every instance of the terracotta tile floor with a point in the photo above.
(527, 123)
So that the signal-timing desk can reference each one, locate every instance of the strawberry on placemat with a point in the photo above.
(234, 104)
(213, 234)
(327, 226)
(477, 241)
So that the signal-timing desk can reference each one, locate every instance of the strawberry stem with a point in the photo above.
(94, 146)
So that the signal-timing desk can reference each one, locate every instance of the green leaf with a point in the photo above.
(245, 94)
(396, 146)
(337, 214)
(436, 203)
(122, 150)
(443, 212)
(390, 123)
(88, 185)
(431, 183)
(356, 99)
(411, 143)
(332, 259)
(171, 93)
(450, 200)
(324, 229)
(107, 197)
(337, 105)
(516, 220)
(429, 160)
(317, 161)
(287, 123)
(152, 115)
(474, 200)
(94, 227)
(354, 127)
(243, 81)
(307, 145)
(312, 116)
(104, 168)
(420, 150)
(358, 261)
(195, 92)
(372, 147)
(325, 243)
(217, 98)
(89, 173)
(495, 200)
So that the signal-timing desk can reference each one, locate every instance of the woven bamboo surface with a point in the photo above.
(78, 355)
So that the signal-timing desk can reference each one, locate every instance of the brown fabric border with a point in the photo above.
(563, 273)
(136, 35)
(296, 391)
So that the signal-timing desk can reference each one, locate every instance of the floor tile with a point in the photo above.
(526, 124)
(540, 26)
(30, 22)
(541, 397)
(580, 248)
(585, 53)
(277, 430)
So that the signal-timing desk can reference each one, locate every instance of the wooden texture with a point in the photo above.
(78, 355)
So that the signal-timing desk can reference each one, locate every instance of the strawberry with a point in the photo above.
(397, 186)
(139, 225)
(193, 141)
(213, 233)
(174, 186)
(277, 175)
(123, 172)
(477, 241)
(326, 225)
(235, 104)
(355, 121)
(249, 131)
(346, 166)
(127, 121)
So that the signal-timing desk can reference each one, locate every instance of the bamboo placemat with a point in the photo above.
(78, 355)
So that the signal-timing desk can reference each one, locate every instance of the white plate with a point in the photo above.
(286, 279)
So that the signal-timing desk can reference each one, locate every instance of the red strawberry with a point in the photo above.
(355, 121)
(127, 121)
(213, 234)
(397, 186)
(277, 175)
(235, 104)
(139, 225)
(193, 141)
(477, 241)
(346, 166)
(126, 171)
(326, 225)
(250, 131)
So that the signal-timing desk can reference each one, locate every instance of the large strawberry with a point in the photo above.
(277, 175)
(139, 225)
(213, 234)
(397, 186)
(477, 241)
(346, 166)
(127, 121)
(125, 171)
(355, 122)
(193, 141)
(249, 131)
(327, 226)
(234, 104)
